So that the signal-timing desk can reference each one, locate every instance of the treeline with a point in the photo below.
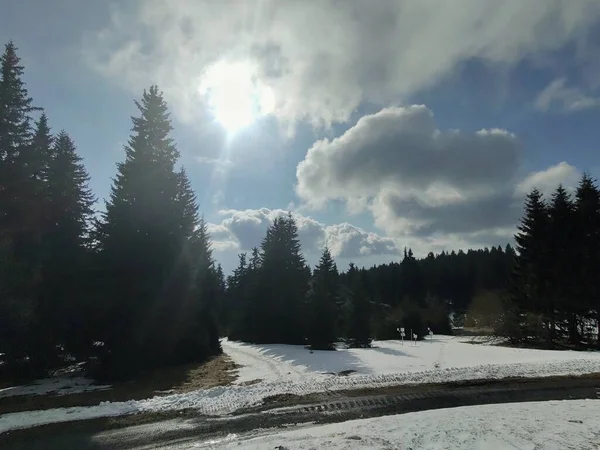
(554, 292)
(422, 293)
(273, 296)
(129, 288)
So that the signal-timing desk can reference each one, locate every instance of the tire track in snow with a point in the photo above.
(227, 399)
(174, 433)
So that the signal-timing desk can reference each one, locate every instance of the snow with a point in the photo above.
(555, 425)
(55, 386)
(294, 362)
(285, 369)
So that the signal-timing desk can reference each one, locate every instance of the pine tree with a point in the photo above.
(188, 206)
(359, 314)
(221, 300)
(70, 197)
(205, 286)
(323, 297)
(563, 260)
(20, 217)
(15, 106)
(255, 259)
(235, 281)
(413, 282)
(529, 289)
(237, 311)
(152, 255)
(19, 164)
(203, 266)
(221, 278)
(66, 243)
(587, 246)
(284, 280)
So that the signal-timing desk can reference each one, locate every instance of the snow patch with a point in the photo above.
(555, 425)
(287, 369)
(54, 386)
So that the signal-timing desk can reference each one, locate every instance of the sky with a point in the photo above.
(378, 125)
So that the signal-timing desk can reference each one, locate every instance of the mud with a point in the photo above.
(325, 407)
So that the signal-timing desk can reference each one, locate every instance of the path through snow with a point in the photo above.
(256, 364)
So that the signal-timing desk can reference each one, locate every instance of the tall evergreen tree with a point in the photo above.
(412, 279)
(359, 314)
(221, 300)
(20, 224)
(563, 261)
(284, 281)
(587, 246)
(150, 276)
(237, 313)
(530, 288)
(323, 297)
(69, 210)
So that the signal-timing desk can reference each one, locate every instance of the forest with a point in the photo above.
(130, 283)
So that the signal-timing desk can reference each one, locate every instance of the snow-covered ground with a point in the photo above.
(55, 386)
(285, 369)
(442, 353)
(556, 425)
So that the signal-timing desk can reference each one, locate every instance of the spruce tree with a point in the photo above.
(563, 261)
(203, 259)
(237, 311)
(255, 300)
(587, 247)
(323, 297)
(188, 208)
(20, 216)
(284, 282)
(530, 285)
(413, 282)
(205, 286)
(221, 300)
(68, 213)
(359, 314)
(221, 278)
(149, 253)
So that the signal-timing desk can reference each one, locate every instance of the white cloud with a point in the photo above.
(222, 238)
(244, 229)
(321, 59)
(566, 98)
(428, 188)
(547, 180)
(400, 150)
(347, 241)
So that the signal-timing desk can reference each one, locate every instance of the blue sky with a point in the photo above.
(313, 107)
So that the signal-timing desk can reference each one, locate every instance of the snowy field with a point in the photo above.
(442, 354)
(556, 425)
(284, 369)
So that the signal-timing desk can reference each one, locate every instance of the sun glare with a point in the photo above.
(234, 95)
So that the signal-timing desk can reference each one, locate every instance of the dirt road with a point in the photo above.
(326, 407)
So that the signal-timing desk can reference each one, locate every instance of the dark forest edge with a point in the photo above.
(135, 287)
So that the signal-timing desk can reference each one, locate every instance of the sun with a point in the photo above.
(234, 95)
